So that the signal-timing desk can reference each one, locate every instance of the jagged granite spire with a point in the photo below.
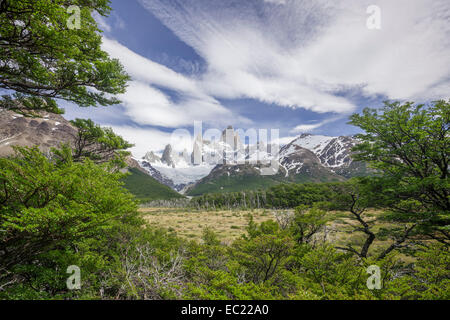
(197, 154)
(167, 156)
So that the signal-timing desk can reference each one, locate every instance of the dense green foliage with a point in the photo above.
(42, 58)
(146, 188)
(410, 146)
(99, 144)
(122, 260)
(268, 264)
(50, 204)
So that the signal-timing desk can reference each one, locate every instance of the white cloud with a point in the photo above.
(119, 23)
(276, 1)
(147, 105)
(107, 24)
(284, 140)
(403, 60)
(145, 70)
(292, 53)
(310, 127)
(306, 127)
(301, 53)
(146, 139)
(101, 21)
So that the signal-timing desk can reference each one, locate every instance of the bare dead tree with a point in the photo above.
(357, 213)
(399, 242)
(284, 219)
(148, 278)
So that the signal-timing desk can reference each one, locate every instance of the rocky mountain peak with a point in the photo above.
(167, 156)
(307, 158)
(151, 157)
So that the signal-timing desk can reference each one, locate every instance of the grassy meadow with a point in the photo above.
(231, 224)
(189, 224)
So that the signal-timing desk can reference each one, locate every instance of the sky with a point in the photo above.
(294, 65)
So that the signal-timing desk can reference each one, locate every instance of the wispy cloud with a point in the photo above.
(311, 54)
(302, 53)
(275, 1)
(114, 21)
(306, 127)
(101, 21)
(147, 104)
(314, 125)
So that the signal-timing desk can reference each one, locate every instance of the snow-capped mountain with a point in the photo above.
(317, 157)
(179, 169)
(333, 152)
(173, 170)
(301, 165)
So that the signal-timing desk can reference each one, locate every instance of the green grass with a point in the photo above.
(146, 188)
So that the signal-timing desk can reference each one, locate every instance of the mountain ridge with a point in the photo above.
(307, 158)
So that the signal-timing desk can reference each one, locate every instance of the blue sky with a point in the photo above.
(293, 65)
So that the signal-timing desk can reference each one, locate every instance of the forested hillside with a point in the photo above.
(233, 178)
(147, 189)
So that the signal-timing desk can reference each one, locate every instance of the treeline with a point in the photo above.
(170, 203)
(282, 196)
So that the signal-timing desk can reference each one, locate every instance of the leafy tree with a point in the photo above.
(42, 58)
(99, 144)
(409, 145)
(264, 252)
(209, 237)
(285, 195)
(330, 271)
(357, 196)
(306, 223)
(51, 203)
(430, 279)
(223, 285)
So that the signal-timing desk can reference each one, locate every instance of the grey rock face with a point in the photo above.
(151, 157)
(167, 156)
(47, 131)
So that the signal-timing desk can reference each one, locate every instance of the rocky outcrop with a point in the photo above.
(167, 156)
(151, 157)
(149, 169)
(47, 131)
